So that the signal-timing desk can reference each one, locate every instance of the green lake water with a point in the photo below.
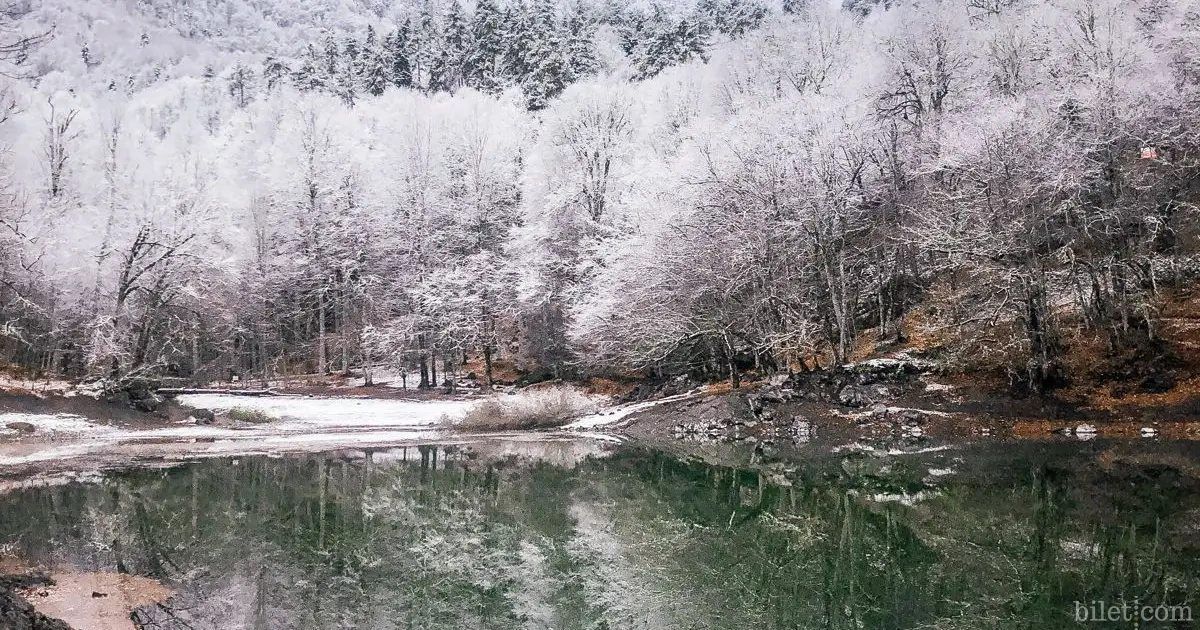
(971, 536)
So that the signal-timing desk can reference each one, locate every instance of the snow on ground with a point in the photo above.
(335, 412)
(37, 387)
(614, 415)
(305, 425)
(52, 424)
(903, 498)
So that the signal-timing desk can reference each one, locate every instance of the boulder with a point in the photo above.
(203, 416)
(775, 395)
(21, 427)
(1157, 384)
(862, 395)
(149, 403)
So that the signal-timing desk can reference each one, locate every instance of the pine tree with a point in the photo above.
(398, 52)
(712, 12)
(274, 71)
(671, 43)
(374, 67)
(551, 72)
(519, 42)
(346, 84)
(241, 86)
(483, 66)
(330, 63)
(733, 17)
(350, 50)
(863, 8)
(691, 41)
(308, 77)
(581, 48)
(441, 77)
(455, 49)
(792, 7)
(426, 48)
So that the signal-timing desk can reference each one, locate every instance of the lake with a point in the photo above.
(575, 534)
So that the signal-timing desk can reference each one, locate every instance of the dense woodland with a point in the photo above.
(594, 188)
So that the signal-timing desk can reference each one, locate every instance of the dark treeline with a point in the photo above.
(538, 47)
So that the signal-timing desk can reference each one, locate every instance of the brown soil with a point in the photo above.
(96, 601)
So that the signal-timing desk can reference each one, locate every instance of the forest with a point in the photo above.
(576, 190)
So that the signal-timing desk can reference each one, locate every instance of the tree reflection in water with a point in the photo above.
(431, 537)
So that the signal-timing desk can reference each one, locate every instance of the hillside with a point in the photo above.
(271, 188)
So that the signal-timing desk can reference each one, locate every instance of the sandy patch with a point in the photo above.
(96, 601)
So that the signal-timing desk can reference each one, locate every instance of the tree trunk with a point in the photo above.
(433, 368)
(487, 367)
(424, 384)
(195, 353)
(343, 334)
(735, 378)
(322, 357)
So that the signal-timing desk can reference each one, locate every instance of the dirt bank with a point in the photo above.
(899, 398)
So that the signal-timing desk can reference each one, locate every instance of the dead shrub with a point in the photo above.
(543, 408)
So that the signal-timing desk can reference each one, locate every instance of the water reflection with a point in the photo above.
(1006, 536)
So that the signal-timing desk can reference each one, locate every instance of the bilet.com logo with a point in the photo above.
(1135, 611)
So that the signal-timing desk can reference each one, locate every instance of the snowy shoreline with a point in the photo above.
(303, 424)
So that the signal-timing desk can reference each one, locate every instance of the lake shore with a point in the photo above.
(899, 401)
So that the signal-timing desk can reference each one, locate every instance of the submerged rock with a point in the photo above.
(21, 427)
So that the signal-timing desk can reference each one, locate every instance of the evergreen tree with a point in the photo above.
(691, 41)
(636, 28)
(426, 48)
(551, 72)
(308, 77)
(398, 52)
(518, 55)
(484, 65)
(454, 49)
(736, 17)
(441, 74)
(792, 7)
(241, 85)
(670, 44)
(350, 50)
(581, 48)
(374, 67)
(274, 71)
(863, 8)
(330, 63)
